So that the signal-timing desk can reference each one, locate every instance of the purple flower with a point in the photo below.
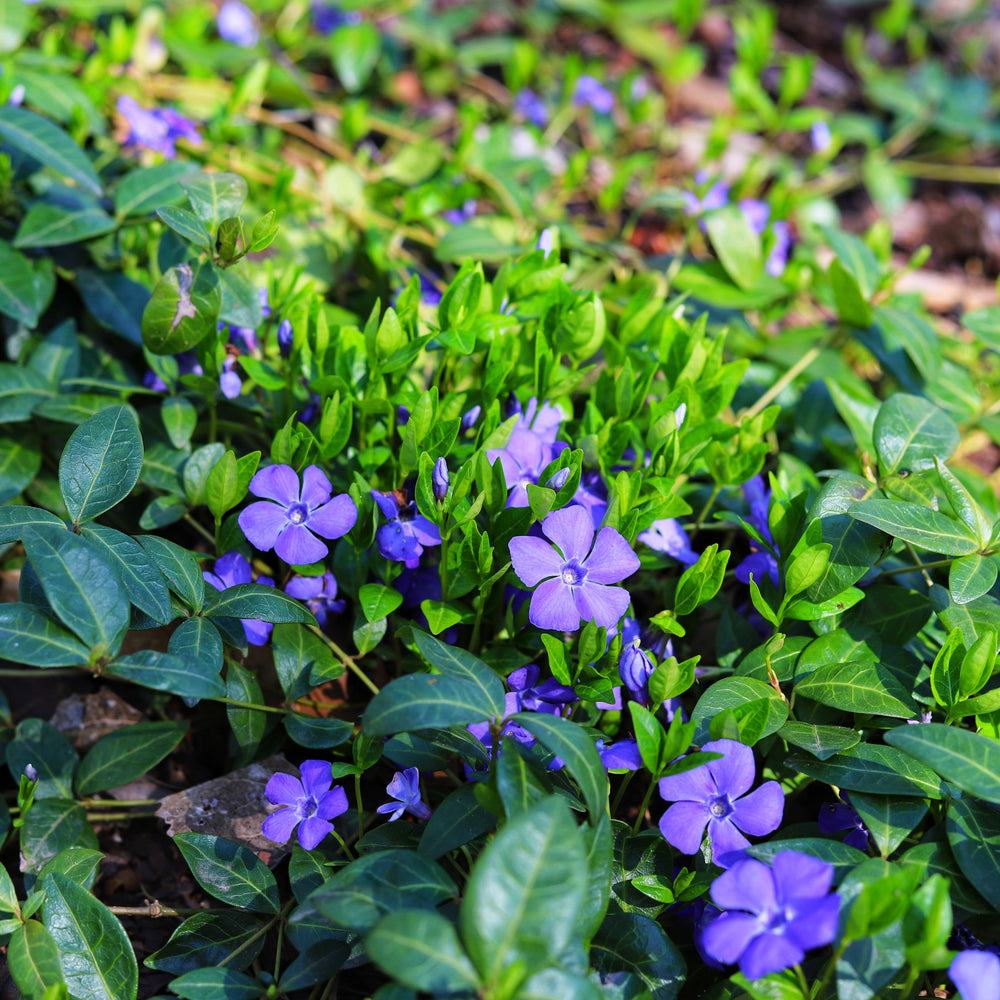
(157, 129)
(837, 816)
(773, 915)
(976, 974)
(231, 570)
(229, 380)
(440, 480)
(820, 136)
(529, 105)
(469, 419)
(237, 24)
(405, 789)
(635, 667)
(667, 536)
(546, 241)
(621, 756)
(549, 696)
(761, 561)
(318, 593)
(572, 576)
(713, 795)
(592, 494)
(311, 802)
(541, 420)
(456, 216)
(288, 519)
(285, 337)
(327, 17)
(403, 537)
(590, 91)
(522, 461)
(758, 213)
(715, 197)
(187, 364)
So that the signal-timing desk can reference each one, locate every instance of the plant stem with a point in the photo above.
(155, 910)
(800, 366)
(643, 807)
(236, 703)
(347, 660)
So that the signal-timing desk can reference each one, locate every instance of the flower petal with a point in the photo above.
(279, 825)
(257, 631)
(748, 885)
(298, 546)
(332, 804)
(283, 789)
(612, 558)
(234, 568)
(683, 825)
(334, 519)
(533, 559)
(760, 812)
(696, 785)
(734, 773)
(818, 926)
(425, 531)
(262, 522)
(604, 605)
(728, 844)
(976, 974)
(312, 831)
(571, 530)
(304, 588)
(317, 777)
(316, 488)
(276, 482)
(727, 937)
(552, 606)
(769, 953)
(798, 875)
(387, 503)
(396, 543)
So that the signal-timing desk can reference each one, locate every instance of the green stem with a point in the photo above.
(343, 844)
(347, 660)
(642, 809)
(236, 703)
(954, 172)
(716, 490)
(776, 388)
(259, 933)
(203, 531)
(357, 796)
(918, 567)
(155, 910)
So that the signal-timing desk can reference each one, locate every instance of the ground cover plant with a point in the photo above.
(499, 502)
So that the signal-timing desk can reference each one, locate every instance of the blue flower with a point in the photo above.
(309, 801)
(229, 571)
(405, 789)
(236, 23)
(157, 129)
(837, 816)
(403, 537)
(976, 974)
(529, 105)
(318, 593)
(530, 696)
(590, 91)
(667, 536)
(761, 561)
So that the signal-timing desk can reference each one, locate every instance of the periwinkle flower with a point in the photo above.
(715, 197)
(635, 667)
(318, 593)
(469, 419)
(231, 570)
(667, 536)
(327, 17)
(760, 562)
(405, 789)
(406, 532)
(773, 915)
(157, 129)
(187, 364)
(230, 382)
(531, 696)
(620, 756)
(289, 518)
(758, 213)
(529, 105)
(573, 575)
(286, 336)
(546, 241)
(309, 801)
(976, 974)
(837, 816)
(820, 136)
(236, 23)
(589, 91)
(30, 772)
(440, 480)
(713, 796)
(458, 216)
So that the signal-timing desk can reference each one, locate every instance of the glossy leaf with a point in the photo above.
(197, 643)
(968, 760)
(142, 580)
(856, 686)
(457, 820)
(633, 943)
(974, 837)
(927, 529)
(33, 959)
(164, 672)
(736, 244)
(425, 701)
(889, 818)
(870, 767)
(971, 577)
(184, 308)
(48, 224)
(459, 662)
(215, 197)
(910, 432)
(216, 984)
(254, 600)
(30, 637)
(42, 745)
(205, 939)
(229, 872)
(48, 144)
(142, 191)
(317, 733)
(740, 694)
(51, 826)
(127, 754)
(822, 742)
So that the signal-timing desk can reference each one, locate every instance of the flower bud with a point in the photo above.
(285, 337)
(558, 480)
(439, 479)
(469, 418)
(30, 772)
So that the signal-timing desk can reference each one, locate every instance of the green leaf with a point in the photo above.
(378, 601)
(315, 733)
(856, 257)
(425, 701)
(197, 469)
(455, 822)
(843, 857)
(869, 767)
(142, 191)
(248, 725)
(521, 779)
(458, 662)
(743, 695)
(39, 139)
(76, 863)
(215, 984)
(299, 655)
(925, 528)
(736, 244)
(186, 224)
(81, 586)
(971, 576)
(254, 600)
(33, 959)
(127, 754)
(97, 959)
(30, 637)
(910, 432)
(889, 818)
(14, 519)
(821, 741)
(985, 324)
(18, 291)
(974, 838)
(14, 24)
(226, 485)
(857, 686)
(140, 576)
(968, 760)
(49, 224)
(164, 672)
(521, 889)
(229, 872)
(215, 197)
(420, 949)
(42, 745)
(114, 300)
(100, 463)
(179, 418)
(852, 306)
(206, 939)
(569, 742)
(183, 309)
(20, 461)
(51, 826)
(633, 943)
(180, 568)
(264, 231)
(354, 51)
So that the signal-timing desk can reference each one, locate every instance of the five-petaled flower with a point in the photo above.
(406, 532)
(773, 915)
(309, 801)
(405, 790)
(976, 974)
(837, 816)
(713, 795)
(231, 570)
(157, 128)
(573, 574)
(319, 594)
(289, 518)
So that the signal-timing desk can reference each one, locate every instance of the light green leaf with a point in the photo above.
(53, 225)
(33, 959)
(736, 244)
(925, 528)
(215, 197)
(184, 308)
(857, 686)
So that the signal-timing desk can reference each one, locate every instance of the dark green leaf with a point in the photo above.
(31, 637)
(821, 741)
(51, 826)
(857, 686)
(456, 821)
(97, 959)
(299, 655)
(925, 528)
(229, 872)
(184, 308)
(164, 672)
(458, 662)
(843, 857)
(910, 432)
(21, 389)
(425, 701)
(48, 144)
(18, 290)
(52, 225)
(142, 191)
(101, 463)
(254, 600)
(632, 943)
(216, 984)
(872, 768)
(42, 745)
(20, 461)
(889, 818)
(187, 224)
(968, 760)
(974, 836)
(114, 300)
(205, 939)
(143, 581)
(127, 754)
(315, 733)
(76, 863)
